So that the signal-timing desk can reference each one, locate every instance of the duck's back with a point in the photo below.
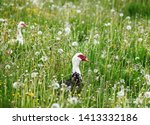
(75, 82)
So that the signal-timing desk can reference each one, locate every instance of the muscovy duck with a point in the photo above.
(75, 82)
(19, 33)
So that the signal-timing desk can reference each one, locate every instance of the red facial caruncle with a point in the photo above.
(83, 57)
(23, 25)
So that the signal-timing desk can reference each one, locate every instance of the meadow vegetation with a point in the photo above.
(113, 34)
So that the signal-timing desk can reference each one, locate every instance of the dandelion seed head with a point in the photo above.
(59, 33)
(34, 74)
(44, 58)
(75, 43)
(96, 36)
(107, 24)
(103, 55)
(147, 77)
(60, 51)
(95, 70)
(128, 17)
(109, 66)
(147, 94)
(73, 100)
(82, 22)
(40, 32)
(128, 27)
(140, 39)
(121, 14)
(7, 66)
(55, 105)
(122, 81)
(89, 71)
(96, 42)
(37, 53)
(97, 78)
(2, 20)
(67, 29)
(117, 57)
(112, 10)
(78, 11)
(142, 31)
(16, 85)
(120, 93)
(55, 84)
(40, 65)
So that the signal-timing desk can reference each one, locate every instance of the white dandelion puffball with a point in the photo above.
(89, 71)
(128, 17)
(95, 70)
(138, 101)
(121, 14)
(40, 65)
(122, 81)
(128, 27)
(140, 39)
(60, 51)
(55, 105)
(2, 20)
(112, 10)
(37, 53)
(96, 36)
(16, 85)
(73, 100)
(147, 94)
(109, 66)
(107, 24)
(44, 58)
(58, 38)
(117, 57)
(75, 43)
(120, 93)
(67, 28)
(59, 33)
(147, 77)
(34, 74)
(96, 42)
(40, 32)
(7, 67)
(78, 11)
(55, 84)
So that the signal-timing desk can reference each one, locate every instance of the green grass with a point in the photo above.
(138, 8)
(119, 57)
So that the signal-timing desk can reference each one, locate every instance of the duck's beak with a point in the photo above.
(25, 25)
(86, 59)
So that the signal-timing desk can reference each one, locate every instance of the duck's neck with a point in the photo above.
(75, 68)
(19, 36)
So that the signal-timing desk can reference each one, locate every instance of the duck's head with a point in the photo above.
(78, 57)
(22, 24)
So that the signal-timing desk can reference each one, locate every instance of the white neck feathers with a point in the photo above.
(19, 36)
(75, 64)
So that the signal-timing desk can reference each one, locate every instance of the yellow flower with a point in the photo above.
(30, 94)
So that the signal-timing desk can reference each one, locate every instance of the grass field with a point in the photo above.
(111, 33)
